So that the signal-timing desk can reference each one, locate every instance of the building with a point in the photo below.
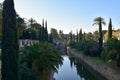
(115, 33)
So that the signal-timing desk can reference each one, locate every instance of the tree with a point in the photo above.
(89, 36)
(0, 24)
(54, 33)
(10, 45)
(77, 36)
(42, 31)
(118, 55)
(110, 29)
(21, 25)
(50, 38)
(46, 32)
(99, 21)
(30, 34)
(41, 58)
(61, 34)
(71, 37)
(1, 7)
(96, 35)
(84, 36)
(31, 21)
(80, 35)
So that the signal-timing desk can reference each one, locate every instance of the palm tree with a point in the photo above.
(80, 35)
(31, 21)
(41, 58)
(99, 21)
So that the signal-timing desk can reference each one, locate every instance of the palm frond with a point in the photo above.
(43, 57)
(99, 20)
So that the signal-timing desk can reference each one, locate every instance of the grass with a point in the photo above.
(107, 62)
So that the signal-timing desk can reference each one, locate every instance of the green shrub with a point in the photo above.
(111, 50)
(112, 43)
(89, 47)
(26, 73)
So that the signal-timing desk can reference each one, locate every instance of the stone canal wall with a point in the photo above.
(105, 71)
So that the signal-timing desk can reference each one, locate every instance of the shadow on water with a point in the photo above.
(72, 69)
(81, 70)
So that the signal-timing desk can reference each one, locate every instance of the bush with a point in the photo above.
(109, 55)
(112, 43)
(88, 47)
(111, 50)
(26, 73)
(71, 44)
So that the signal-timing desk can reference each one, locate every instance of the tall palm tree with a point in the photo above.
(99, 21)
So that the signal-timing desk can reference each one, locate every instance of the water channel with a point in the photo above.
(72, 69)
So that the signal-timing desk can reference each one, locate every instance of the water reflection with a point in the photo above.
(66, 72)
(73, 70)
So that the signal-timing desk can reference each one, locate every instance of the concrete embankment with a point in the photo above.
(106, 72)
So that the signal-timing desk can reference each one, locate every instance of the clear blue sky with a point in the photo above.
(70, 15)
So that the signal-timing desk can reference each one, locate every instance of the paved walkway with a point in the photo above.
(105, 71)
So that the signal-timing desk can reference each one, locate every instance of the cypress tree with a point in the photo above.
(71, 37)
(80, 35)
(10, 45)
(42, 31)
(50, 38)
(84, 36)
(110, 29)
(46, 32)
(77, 36)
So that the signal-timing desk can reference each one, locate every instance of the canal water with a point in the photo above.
(73, 70)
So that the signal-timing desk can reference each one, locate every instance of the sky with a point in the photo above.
(70, 15)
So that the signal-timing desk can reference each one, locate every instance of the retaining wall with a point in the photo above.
(105, 71)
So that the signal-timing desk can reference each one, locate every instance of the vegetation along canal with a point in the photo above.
(72, 69)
